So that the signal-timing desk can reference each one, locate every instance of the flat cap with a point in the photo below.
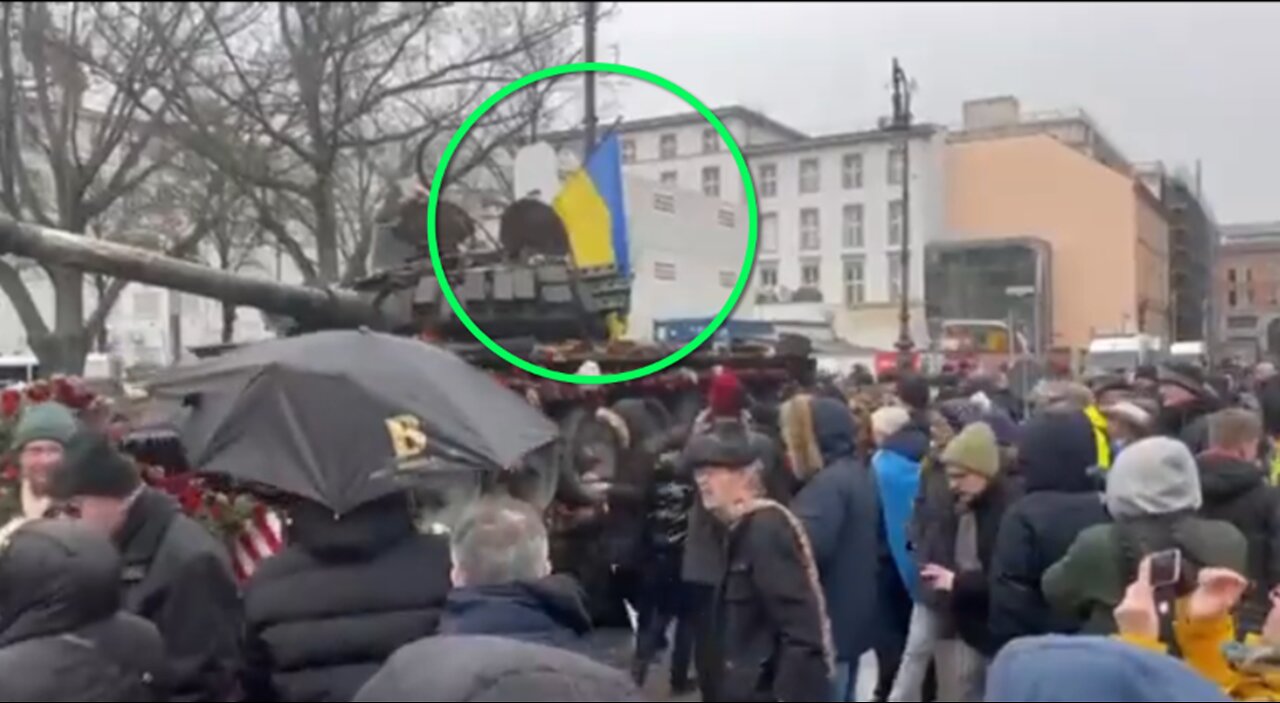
(727, 444)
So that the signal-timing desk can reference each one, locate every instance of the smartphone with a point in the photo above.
(1166, 568)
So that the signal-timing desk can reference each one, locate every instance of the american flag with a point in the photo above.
(262, 538)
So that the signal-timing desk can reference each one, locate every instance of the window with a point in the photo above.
(895, 277)
(710, 141)
(811, 273)
(852, 230)
(855, 282)
(768, 180)
(810, 234)
(895, 223)
(727, 217)
(1232, 300)
(768, 274)
(670, 179)
(810, 176)
(1231, 275)
(711, 181)
(852, 171)
(897, 161)
(664, 271)
(628, 151)
(664, 202)
(769, 232)
(667, 146)
(1242, 322)
(728, 278)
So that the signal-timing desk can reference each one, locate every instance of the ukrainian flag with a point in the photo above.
(591, 204)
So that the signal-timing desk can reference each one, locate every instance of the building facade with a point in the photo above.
(1247, 290)
(1108, 237)
(830, 207)
(1193, 247)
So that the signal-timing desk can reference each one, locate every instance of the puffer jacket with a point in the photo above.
(1056, 453)
(325, 614)
(63, 634)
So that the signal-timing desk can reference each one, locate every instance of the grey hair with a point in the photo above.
(500, 540)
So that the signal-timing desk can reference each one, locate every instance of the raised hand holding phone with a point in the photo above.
(1136, 616)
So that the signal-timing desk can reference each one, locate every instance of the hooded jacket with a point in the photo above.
(1153, 493)
(897, 467)
(327, 612)
(841, 515)
(1056, 452)
(472, 669)
(552, 611)
(1052, 669)
(1237, 492)
(63, 635)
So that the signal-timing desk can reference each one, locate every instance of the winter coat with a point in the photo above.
(1090, 581)
(771, 624)
(477, 668)
(704, 549)
(1053, 669)
(897, 467)
(328, 611)
(1237, 492)
(63, 635)
(1055, 454)
(552, 611)
(970, 602)
(1246, 671)
(178, 576)
(841, 515)
(932, 527)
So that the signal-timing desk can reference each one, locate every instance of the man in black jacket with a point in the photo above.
(503, 584)
(1056, 453)
(771, 624)
(1236, 491)
(175, 573)
(349, 590)
(63, 635)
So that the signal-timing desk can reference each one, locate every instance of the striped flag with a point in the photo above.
(262, 538)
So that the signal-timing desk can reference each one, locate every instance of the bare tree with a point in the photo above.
(314, 107)
(73, 143)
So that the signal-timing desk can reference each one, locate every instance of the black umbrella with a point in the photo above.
(334, 417)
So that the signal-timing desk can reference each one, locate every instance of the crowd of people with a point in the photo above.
(973, 546)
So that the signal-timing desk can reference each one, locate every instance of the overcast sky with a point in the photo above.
(1169, 82)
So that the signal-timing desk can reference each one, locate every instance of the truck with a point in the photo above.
(1122, 354)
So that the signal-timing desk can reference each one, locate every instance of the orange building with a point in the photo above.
(1108, 236)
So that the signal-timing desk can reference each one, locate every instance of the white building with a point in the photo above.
(830, 206)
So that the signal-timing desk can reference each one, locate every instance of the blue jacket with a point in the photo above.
(897, 473)
(841, 514)
(1064, 669)
(548, 612)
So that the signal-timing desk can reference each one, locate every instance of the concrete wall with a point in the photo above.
(1036, 186)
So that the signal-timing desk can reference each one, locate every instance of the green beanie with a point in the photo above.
(975, 450)
(46, 421)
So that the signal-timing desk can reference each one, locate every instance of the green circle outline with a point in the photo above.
(744, 276)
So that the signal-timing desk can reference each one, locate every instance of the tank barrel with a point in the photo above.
(60, 248)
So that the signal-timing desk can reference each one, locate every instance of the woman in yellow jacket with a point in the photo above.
(1204, 630)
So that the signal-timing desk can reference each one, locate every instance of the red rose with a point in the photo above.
(63, 392)
(190, 499)
(10, 474)
(10, 403)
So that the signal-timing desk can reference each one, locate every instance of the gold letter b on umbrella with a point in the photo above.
(407, 438)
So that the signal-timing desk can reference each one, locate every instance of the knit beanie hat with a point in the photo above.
(46, 421)
(726, 398)
(1155, 476)
(974, 450)
(92, 467)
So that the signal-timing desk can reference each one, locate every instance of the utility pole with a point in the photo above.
(902, 123)
(589, 118)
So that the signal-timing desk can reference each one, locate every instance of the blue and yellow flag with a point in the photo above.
(591, 203)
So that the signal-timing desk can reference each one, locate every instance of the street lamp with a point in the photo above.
(901, 122)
